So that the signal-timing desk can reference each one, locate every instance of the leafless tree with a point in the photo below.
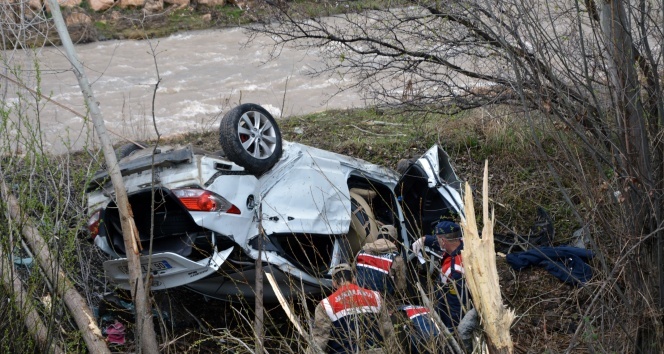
(139, 286)
(26, 27)
(590, 67)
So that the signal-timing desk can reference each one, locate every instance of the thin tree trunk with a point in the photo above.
(145, 334)
(635, 150)
(258, 306)
(63, 286)
(31, 317)
(479, 258)
(627, 90)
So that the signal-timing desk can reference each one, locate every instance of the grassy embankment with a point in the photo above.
(519, 182)
(131, 23)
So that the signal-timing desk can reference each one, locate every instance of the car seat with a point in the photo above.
(363, 227)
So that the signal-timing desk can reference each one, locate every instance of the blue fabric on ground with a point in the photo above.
(564, 262)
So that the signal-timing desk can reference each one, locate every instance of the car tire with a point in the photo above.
(126, 149)
(250, 137)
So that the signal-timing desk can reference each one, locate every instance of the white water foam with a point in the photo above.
(204, 74)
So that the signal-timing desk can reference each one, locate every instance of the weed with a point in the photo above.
(230, 12)
(101, 25)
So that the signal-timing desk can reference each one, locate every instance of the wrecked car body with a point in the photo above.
(201, 215)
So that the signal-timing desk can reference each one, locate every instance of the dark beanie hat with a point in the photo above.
(451, 230)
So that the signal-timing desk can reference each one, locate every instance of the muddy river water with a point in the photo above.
(203, 74)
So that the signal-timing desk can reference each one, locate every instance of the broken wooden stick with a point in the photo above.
(76, 304)
(289, 311)
(479, 258)
(24, 301)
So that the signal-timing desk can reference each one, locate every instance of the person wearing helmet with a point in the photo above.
(380, 265)
(452, 293)
(352, 319)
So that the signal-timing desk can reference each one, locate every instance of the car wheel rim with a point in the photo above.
(257, 135)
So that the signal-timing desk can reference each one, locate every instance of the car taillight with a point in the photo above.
(93, 224)
(202, 200)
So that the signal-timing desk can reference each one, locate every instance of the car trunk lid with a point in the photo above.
(167, 270)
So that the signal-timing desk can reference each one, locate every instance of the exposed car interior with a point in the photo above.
(174, 229)
(422, 205)
(372, 205)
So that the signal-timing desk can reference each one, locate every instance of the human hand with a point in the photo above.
(418, 245)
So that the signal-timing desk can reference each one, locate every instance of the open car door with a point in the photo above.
(429, 190)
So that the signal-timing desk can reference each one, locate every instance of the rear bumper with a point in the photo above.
(168, 270)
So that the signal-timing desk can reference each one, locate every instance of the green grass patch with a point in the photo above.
(101, 25)
(230, 12)
(376, 135)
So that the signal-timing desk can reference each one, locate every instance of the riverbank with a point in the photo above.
(134, 24)
(122, 21)
(86, 25)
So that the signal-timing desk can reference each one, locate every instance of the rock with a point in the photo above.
(77, 19)
(8, 16)
(35, 5)
(64, 4)
(243, 4)
(206, 17)
(153, 6)
(123, 4)
(100, 5)
(69, 3)
(80, 27)
(212, 3)
(178, 3)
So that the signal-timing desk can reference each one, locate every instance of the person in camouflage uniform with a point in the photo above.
(351, 319)
(416, 329)
(453, 295)
(380, 266)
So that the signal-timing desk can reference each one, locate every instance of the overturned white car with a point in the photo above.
(204, 212)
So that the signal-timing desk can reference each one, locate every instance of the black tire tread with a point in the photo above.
(126, 149)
